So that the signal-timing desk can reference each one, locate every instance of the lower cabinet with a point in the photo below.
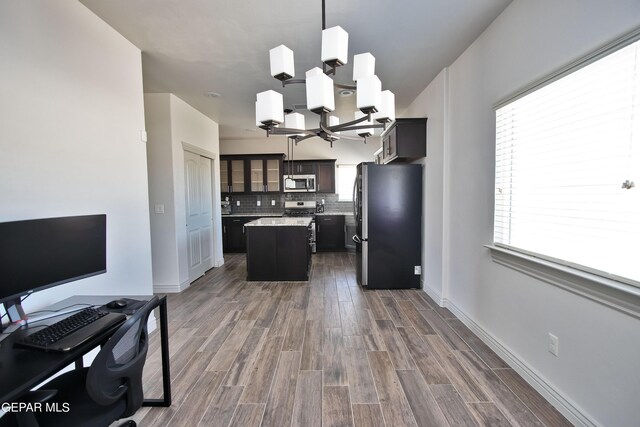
(330, 233)
(279, 253)
(234, 238)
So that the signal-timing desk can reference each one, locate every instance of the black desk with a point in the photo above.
(23, 369)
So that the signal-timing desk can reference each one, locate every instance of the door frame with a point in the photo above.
(217, 256)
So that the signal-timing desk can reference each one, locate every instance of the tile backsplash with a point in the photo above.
(249, 205)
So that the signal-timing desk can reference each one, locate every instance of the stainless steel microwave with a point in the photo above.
(299, 183)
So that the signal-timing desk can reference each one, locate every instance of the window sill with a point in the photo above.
(617, 295)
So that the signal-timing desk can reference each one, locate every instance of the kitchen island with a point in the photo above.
(278, 249)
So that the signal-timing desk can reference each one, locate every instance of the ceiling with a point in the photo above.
(191, 47)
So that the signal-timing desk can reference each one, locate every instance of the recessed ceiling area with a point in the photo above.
(196, 48)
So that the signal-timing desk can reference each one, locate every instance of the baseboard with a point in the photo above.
(170, 289)
(435, 295)
(561, 402)
(219, 262)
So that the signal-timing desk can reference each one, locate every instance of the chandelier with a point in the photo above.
(373, 103)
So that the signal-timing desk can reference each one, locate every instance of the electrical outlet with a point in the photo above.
(417, 270)
(258, 203)
(159, 209)
(237, 202)
(323, 201)
(554, 344)
(273, 203)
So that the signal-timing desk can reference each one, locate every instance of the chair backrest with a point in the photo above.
(117, 369)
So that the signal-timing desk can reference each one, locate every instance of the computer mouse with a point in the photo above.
(118, 303)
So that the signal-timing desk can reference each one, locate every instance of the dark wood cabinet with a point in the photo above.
(232, 174)
(330, 232)
(279, 253)
(234, 234)
(265, 174)
(324, 170)
(251, 173)
(326, 176)
(404, 140)
(300, 167)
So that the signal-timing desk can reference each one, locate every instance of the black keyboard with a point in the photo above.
(72, 331)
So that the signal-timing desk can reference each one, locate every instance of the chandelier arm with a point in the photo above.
(362, 127)
(302, 138)
(289, 131)
(342, 126)
(293, 81)
(335, 136)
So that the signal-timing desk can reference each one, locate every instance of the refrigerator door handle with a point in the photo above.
(356, 238)
(355, 202)
(365, 202)
(365, 263)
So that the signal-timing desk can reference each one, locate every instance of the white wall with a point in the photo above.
(71, 112)
(171, 122)
(346, 152)
(432, 103)
(598, 371)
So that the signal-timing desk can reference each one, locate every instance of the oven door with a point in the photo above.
(299, 183)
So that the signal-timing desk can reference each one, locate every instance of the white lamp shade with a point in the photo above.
(369, 96)
(294, 121)
(281, 59)
(366, 131)
(319, 91)
(388, 111)
(269, 109)
(335, 46)
(364, 65)
(334, 121)
(257, 122)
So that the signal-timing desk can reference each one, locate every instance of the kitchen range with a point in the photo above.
(303, 209)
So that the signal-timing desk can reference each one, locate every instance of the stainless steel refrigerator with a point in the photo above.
(387, 205)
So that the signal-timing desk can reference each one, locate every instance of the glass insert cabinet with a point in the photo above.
(251, 173)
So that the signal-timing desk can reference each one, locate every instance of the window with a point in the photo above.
(346, 178)
(567, 158)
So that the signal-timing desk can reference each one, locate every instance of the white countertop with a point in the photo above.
(336, 213)
(287, 221)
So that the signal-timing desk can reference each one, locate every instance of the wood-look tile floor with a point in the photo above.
(325, 352)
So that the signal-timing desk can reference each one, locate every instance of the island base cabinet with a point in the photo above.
(278, 253)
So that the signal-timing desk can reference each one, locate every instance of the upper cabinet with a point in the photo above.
(232, 174)
(263, 173)
(326, 176)
(324, 170)
(404, 140)
(300, 167)
(251, 173)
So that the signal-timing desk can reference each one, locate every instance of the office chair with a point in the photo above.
(110, 389)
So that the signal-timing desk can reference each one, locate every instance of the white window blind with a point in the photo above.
(565, 155)
(346, 178)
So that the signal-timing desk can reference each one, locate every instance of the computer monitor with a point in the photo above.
(40, 253)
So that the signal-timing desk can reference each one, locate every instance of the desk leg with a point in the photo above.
(164, 348)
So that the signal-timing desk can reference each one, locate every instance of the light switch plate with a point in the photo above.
(143, 136)
(237, 202)
(417, 270)
(273, 203)
(258, 203)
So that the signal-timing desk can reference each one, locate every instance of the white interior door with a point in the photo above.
(199, 214)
